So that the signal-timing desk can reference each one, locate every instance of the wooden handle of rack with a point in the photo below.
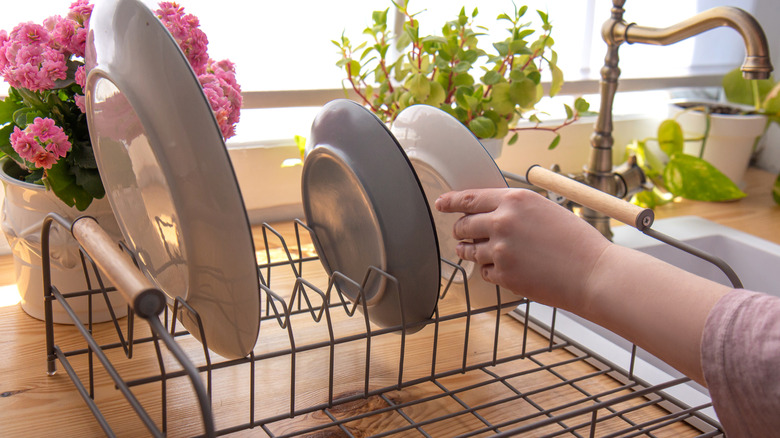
(614, 207)
(137, 290)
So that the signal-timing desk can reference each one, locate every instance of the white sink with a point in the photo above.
(756, 262)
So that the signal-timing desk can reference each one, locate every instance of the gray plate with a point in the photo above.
(168, 176)
(366, 207)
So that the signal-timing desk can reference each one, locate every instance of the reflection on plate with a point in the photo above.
(365, 205)
(447, 157)
(168, 176)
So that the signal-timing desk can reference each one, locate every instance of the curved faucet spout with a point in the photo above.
(757, 64)
(615, 32)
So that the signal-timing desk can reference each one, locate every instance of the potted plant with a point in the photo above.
(489, 91)
(676, 173)
(47, 163)
(708, 145)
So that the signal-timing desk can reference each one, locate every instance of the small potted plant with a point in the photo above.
(489, 91)
(723, 134)
(676, 173)
(46, 158)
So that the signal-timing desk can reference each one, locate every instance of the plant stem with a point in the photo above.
(756, 96)
(554, 129)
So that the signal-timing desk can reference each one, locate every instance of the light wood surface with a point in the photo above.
(34, 404)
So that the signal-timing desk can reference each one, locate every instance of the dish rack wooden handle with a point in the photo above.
(630, 214)
(135, 288)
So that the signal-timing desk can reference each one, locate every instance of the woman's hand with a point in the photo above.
(537, 248)
(525, 243)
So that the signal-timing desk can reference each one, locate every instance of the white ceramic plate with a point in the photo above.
(447, 157)
(365, 205)
(168, 176)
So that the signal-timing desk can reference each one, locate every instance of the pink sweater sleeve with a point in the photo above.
(741, 361)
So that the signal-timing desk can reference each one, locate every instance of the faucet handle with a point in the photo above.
(630, 214)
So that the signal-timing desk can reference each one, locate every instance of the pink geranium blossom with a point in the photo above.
(223, 93)
(185, 29)
(41, 142)
(28, 60)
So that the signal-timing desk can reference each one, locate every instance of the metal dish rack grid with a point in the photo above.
(490, 392)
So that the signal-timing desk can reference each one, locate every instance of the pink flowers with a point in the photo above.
(41, 142)
(186, 31)
(224, 94)
(34, 56)
(218, 79)
(27, 60)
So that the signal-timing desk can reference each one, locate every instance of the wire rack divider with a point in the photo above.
(389, 392)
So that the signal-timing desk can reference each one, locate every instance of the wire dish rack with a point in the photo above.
(321, 369)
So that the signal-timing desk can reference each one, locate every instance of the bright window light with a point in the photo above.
(287, 45)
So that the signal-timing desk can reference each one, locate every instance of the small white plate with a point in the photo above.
(447, 157)
(168, 176)
(366, 207)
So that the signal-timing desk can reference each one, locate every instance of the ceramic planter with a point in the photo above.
(731, 139)
(24, 209)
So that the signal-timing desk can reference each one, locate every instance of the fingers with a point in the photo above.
(472, 226)
(470, 201)
(478, 252)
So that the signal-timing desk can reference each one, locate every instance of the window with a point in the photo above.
(279, 46)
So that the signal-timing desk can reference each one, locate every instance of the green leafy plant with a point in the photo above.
(488, 91)
(679, 174)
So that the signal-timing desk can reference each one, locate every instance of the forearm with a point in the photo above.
(657, 306)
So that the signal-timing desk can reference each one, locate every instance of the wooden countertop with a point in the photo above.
(32, 404)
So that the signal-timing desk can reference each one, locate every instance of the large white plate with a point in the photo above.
(168, 176)
(365, 205)
(447, 157)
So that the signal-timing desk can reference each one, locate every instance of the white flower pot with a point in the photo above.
(24, 210)
(731, 140)
(494, 146)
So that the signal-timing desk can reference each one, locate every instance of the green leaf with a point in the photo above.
(652, 198)
(502, 48)
(557, 80)
(581, 105)
(693, 178)
(89, 180)
(437, 95)
(64, 185)
(523, 93)
(740, 90)
(7, 109)
(670, 137)
(514, 138)
(554, 143)
(24, 116)
(419, 86)
(648, 161)
(500, 99)
(300, 141)
(491, 78)
(569, 112)
(483, 127)
(776, 190)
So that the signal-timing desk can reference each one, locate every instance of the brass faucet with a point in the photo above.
(615, 32)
